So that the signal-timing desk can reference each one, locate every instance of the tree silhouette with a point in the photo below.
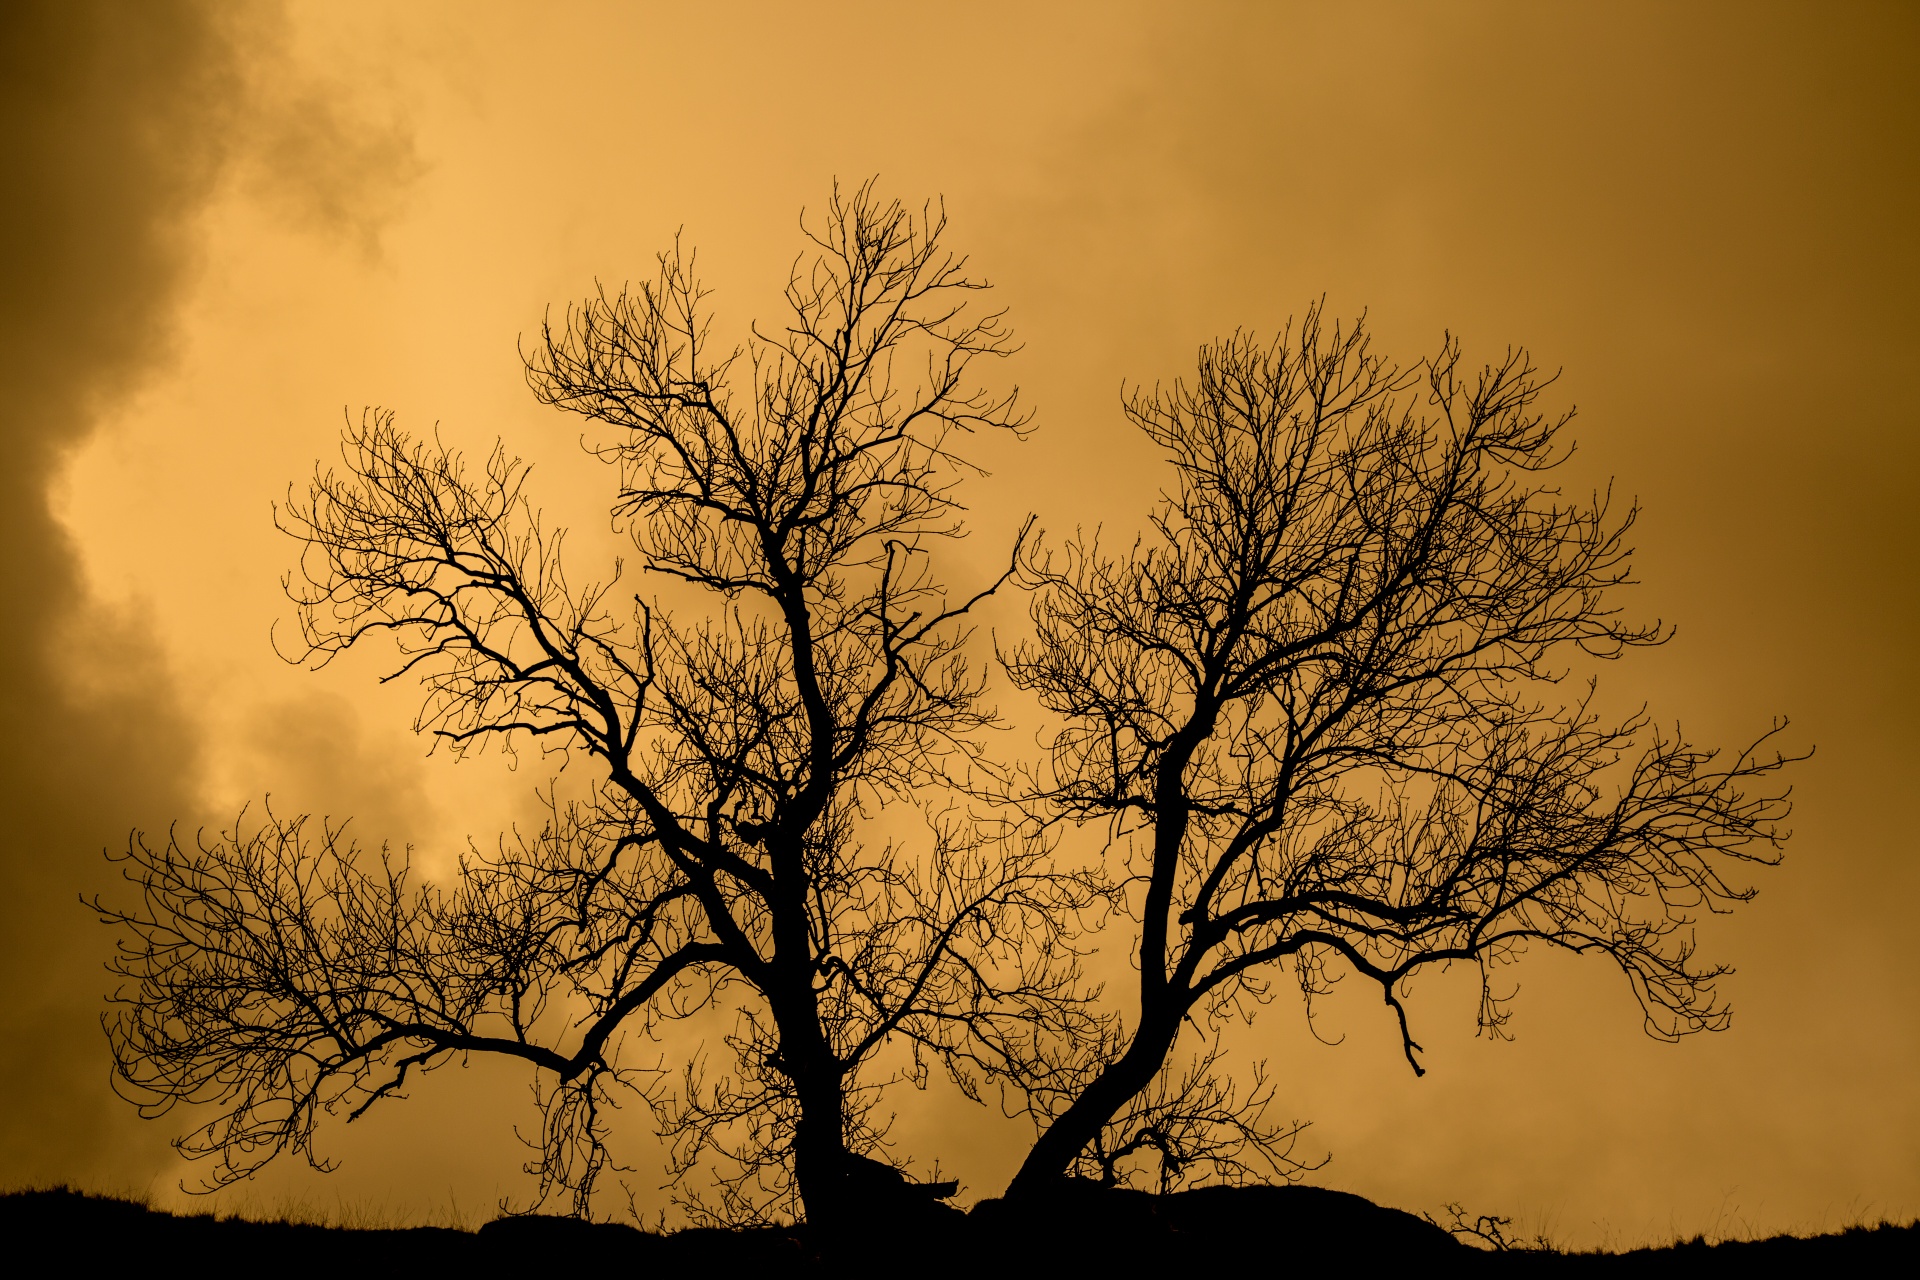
(1313, 709)
(799, 485)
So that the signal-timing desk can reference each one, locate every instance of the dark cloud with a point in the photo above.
(121, 121)
(114, 114)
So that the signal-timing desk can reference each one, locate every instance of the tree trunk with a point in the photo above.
(820, 1152)
(807, 1059)
(1074, 1129)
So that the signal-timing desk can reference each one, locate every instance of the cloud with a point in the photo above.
(314, 153)
(123, 121)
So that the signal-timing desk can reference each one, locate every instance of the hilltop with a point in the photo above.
(1089, 1229)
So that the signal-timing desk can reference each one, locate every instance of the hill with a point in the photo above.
(1234, 1231)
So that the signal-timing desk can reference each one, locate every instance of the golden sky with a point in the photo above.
(226, 226)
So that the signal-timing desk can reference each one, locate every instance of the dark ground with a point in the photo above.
(1227, 1232)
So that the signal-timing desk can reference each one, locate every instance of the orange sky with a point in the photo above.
(230, 228)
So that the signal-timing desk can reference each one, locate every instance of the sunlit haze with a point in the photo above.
(229, 229)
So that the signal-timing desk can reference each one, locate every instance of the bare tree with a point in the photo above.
(1313, 709)
(800, 484)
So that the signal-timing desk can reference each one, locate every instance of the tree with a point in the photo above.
(798, 485)
(1313, 709)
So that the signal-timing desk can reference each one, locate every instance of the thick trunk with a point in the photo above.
(807, 1059)
(819, 1138)
(805, 1053)
(1074, 1129)
(820, 1154)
